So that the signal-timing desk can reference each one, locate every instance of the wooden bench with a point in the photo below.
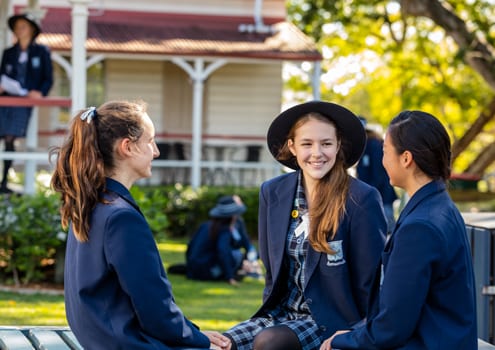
(38, 337)
(62, 338)
(483, 345)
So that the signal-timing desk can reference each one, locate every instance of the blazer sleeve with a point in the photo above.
(245, 241)
(224, 254)
(263, 241)
(4, 61)
(194, 244)
(403, 292)
(132, 253)
(379, 178)
(46, 78)
(368, 227)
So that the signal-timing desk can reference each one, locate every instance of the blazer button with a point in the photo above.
(323, 328)
(309, 301)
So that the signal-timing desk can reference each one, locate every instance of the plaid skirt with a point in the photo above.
(303, 326)
(14, 121)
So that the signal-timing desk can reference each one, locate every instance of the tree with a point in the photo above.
(475, 46)
(433, 55)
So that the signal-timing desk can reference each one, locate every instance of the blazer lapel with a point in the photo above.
(281, 202)
(312, 258)
(280, 205)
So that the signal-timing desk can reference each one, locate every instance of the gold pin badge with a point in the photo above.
(294, 213)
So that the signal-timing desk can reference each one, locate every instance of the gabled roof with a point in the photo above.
(170, 34)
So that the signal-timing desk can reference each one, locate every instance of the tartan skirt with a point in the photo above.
(14, 121)
(303, 326)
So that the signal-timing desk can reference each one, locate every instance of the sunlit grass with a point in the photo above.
(36, 309)
(211, 305)
(172, 247)
(172, 252)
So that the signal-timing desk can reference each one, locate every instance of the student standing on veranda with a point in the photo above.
(28, 64)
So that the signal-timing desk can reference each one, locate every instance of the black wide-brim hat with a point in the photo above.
(28, 17)
(227, 207)
(348, 124)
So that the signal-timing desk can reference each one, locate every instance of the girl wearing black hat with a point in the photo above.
(321, 232)
(214, 252)
(29, 65)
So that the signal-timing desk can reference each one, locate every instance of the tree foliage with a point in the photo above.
(382, 56)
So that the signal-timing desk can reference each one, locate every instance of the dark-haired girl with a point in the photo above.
(427, 290)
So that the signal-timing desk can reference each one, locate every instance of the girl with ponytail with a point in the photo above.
(117, 295)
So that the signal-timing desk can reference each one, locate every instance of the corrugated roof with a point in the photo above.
(178, 35)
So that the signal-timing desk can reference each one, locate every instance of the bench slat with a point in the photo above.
(64, 339)
(47, 340)
(70, 339)
(483, 345)
(13, 339)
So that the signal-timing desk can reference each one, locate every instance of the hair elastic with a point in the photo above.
(89, 114)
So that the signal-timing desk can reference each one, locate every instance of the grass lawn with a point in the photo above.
(211, 305)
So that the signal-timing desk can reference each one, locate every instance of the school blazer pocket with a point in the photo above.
(334, 264)
(337, 258)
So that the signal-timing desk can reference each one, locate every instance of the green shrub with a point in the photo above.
(30, 236)
(186, 208)
(32, 241)
(152, 204)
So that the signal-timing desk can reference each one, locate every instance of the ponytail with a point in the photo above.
(86, 158)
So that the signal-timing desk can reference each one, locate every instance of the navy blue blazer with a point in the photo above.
(370, 170)
(117, 295)
(39, 74)
(428, 296)
(336, 287)
(203, 254)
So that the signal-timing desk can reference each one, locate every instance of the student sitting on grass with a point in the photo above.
(220, 248)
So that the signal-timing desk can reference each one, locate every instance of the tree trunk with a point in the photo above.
(477, 127)
(478, 54)
(483, 161)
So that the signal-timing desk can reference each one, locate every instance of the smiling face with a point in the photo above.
(315, 146)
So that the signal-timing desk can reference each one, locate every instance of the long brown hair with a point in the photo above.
(87, 157)
(217, 224)
(328, 203)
